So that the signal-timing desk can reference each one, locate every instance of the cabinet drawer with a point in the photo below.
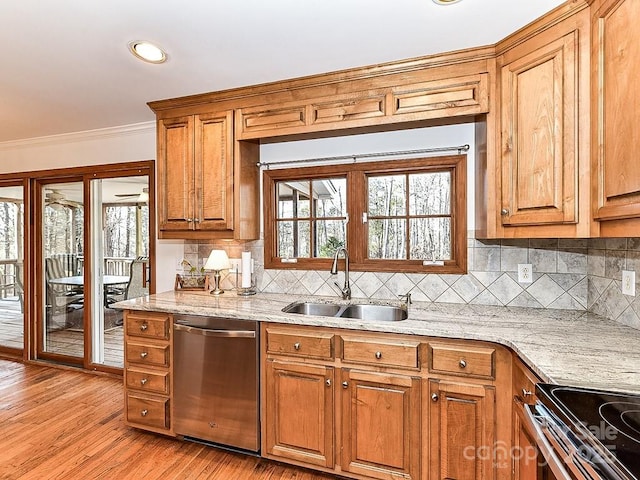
(380, 352)
(148, 326)
(319, 345)
(157, 382)
(459, 360)
(143, 354)
(151, 411)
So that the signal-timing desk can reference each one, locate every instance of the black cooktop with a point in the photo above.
(607, 419)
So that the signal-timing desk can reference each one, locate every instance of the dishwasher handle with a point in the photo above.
(215, 333)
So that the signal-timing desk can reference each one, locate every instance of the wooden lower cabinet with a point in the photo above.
(299, 412)
(380, 424)
(461, 431)
(369, 405)
(147, 372)
(526, 465)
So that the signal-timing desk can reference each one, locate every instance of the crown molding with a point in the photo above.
(86, 135)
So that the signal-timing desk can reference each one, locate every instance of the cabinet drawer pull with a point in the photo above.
(526, 393)
(144, 413)
(434, 397)
(504, 212)
(296, 345)
(378, 355)
(328, 382)
(144, 354)
(144, 327)
(345, 384)
(143, 381)
(462, 363)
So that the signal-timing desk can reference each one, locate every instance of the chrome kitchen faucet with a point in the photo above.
(345, 291)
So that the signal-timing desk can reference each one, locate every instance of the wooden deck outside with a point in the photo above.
(69, 341)
(68, 425)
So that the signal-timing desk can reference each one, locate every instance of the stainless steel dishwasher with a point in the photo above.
(216, 381)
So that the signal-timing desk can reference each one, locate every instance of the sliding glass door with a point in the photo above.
(12, 267)
(93, 239)
(62, 258)
(120, 246)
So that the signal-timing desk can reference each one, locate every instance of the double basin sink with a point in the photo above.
(360, 311)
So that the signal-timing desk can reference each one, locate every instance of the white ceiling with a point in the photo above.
(65, 66)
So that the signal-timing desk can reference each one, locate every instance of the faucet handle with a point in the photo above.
(406, 297)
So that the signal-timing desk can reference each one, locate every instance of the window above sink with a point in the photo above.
(399, 216)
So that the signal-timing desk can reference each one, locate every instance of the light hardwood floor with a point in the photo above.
(68, 425)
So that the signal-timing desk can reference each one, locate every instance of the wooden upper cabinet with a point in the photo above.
(532, 148)
(543, 148)
(213, 161)
(200, 184)
(195, 172)
(381, 103)
(539, 94)
(616, 114)
(175, 173)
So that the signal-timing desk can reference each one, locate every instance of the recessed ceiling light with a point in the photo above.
(147, 51)
(445, 2)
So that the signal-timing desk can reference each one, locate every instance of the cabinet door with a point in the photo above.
(175, 173)
(299, 412)
(539, 133)
(616, 109)
(213, 153)
(380, 424)
(524, 450)
(462, 431)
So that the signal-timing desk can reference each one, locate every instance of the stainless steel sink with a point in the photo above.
(382, 313)
(361, 311)
(310, 308)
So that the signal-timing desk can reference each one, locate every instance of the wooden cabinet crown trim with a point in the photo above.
(554, 17)
(318, 80)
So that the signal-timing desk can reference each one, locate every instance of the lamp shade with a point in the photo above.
(218, 260)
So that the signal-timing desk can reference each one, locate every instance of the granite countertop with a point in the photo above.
(562, 346)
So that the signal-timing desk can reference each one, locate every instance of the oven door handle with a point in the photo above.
(554, 463)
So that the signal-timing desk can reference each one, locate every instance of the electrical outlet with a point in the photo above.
(236, 265)
(525, 273)
(629, 283)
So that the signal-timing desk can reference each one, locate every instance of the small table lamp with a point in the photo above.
(217, 261)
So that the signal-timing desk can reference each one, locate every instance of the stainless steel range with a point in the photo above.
(588, 434)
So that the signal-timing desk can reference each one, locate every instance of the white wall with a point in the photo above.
(96, 147)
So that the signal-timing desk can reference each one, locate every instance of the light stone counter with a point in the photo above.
(561, 346)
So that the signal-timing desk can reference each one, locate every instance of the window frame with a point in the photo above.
(357, 203)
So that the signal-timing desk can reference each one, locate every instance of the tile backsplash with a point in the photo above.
(575, 274)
